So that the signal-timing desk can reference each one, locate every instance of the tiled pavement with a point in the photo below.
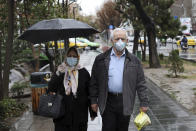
(165, 114)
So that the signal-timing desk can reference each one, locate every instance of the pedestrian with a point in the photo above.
(183, 43)
(116, 77)
(72, 82)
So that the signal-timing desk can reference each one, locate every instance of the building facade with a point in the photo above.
(184, 9)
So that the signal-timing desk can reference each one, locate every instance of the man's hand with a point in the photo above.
(94, 107)
(143, 109)
(93, 118)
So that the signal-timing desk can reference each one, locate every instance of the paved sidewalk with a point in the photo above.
(165, 113)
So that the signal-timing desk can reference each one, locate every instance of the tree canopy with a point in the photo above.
(25, 13)
(107, 15)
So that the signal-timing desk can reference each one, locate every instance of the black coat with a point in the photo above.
(76, 109)
(133, 81)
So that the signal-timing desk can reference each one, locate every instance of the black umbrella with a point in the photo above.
(56, 29)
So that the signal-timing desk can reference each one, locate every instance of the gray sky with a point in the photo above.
(89, 7)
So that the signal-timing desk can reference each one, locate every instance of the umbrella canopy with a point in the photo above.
(56, 29)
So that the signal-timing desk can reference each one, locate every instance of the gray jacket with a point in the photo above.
(133, 81)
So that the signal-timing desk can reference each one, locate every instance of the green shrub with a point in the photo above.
(176, 63)
(10, 108)
(18, 88)
(161, 56)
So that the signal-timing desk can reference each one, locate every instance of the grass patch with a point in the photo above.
(188, 67)
(163, 61)
(192, 77)
(173, 95)
(179, 76)
(194, 89)
(145, 63)
(189, 63)
(195, 93)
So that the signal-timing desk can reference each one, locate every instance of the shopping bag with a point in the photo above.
(142, 120)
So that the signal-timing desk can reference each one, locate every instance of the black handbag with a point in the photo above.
(51, 106)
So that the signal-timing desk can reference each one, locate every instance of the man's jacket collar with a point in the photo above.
(108, 52)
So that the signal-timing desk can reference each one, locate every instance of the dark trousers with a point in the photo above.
(113, 118)
(76, 127)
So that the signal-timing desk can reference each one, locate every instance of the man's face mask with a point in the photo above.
(119, 45)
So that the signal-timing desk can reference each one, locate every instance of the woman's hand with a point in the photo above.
(52, 93)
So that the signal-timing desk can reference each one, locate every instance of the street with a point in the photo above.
(165, 114)
(190, 54)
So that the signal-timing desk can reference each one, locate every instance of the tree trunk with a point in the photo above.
(144, 50)
(51, 58)
(66, 8)
(63, 5)
(36, 57)
(66, 45)
(56, 56)
(150, 30)
(136, 39)
(1, 84)
(9, 50)
(153, 55)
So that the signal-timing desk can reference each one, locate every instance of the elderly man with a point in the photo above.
(116, 77)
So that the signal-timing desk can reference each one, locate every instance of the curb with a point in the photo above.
(189, 60)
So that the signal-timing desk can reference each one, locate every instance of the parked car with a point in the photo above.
(169, 40)
(130, 38)
(141, 40)
(79, 44)
(191, 41)
(72, 43)
(90, 44)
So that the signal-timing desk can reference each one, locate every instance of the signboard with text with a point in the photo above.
(186, 22)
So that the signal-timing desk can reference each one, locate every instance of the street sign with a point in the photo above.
(175, 17)
(111, 27)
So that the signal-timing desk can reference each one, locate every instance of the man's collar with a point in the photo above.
(114, 53)
(107, 54)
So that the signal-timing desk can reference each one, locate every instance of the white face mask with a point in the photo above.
(120, 45)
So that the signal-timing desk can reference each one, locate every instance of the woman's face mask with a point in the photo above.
(72, 61)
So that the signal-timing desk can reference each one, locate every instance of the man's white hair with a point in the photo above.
(117, 29)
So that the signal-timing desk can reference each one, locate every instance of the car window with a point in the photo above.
(190, 37)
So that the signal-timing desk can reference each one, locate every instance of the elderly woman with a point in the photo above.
(72, 82)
